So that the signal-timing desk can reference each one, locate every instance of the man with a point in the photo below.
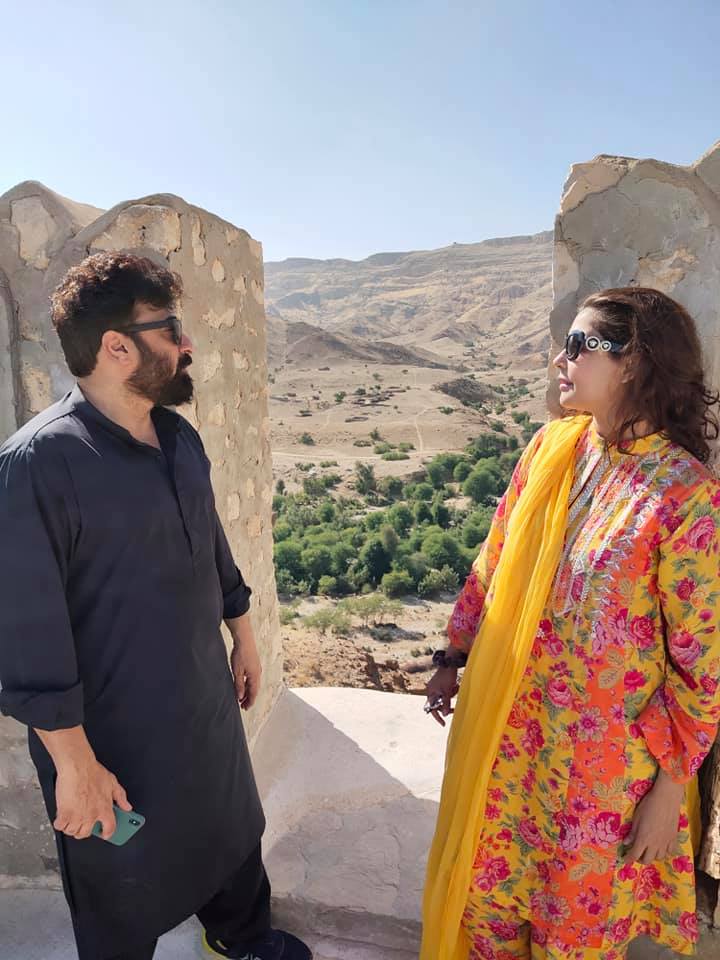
(114, 576)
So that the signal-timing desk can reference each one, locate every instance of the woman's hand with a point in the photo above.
(655, 825)
(441, 688)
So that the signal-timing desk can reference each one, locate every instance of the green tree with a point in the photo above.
(415, 565)
(390, 539)
(317, 561)
(375, 520)
(342, 553)
(423, 513)
(401, 517)
(423, 491)
(288, 558)
(442, 550)
(462, 471)
(375, 558)
(440, 513)
(480, 485)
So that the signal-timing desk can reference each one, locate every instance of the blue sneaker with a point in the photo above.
(274, 945)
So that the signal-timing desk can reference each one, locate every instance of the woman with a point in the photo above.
(591, 695)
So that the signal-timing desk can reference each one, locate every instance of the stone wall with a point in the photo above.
(41, 236)
(624, 221)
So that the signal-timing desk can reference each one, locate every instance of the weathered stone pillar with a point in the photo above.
(624, 221)
(41, 236)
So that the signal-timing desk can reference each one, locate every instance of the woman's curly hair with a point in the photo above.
(667, 387)
(101, 294)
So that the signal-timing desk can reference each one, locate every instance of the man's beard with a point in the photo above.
(156, 381)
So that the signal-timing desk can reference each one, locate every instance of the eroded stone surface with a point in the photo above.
(624, 221)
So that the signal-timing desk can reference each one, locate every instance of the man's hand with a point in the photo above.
(245, 662)
(85, 796)
(84, 790)
(441, 688)
(655, 825)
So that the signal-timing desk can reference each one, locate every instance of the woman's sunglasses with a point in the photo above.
(578, 340)
(172, 323)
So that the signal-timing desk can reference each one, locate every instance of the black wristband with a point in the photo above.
(441, 659)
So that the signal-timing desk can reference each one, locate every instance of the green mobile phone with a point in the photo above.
(128, 825)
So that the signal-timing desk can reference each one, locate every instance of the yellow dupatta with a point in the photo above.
(520, 587)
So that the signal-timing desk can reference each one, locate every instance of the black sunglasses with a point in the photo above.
(578, 340)
(172, 323)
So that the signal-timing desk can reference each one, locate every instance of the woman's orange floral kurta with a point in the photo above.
(623, 678)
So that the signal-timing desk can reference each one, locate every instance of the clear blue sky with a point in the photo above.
(351, 127)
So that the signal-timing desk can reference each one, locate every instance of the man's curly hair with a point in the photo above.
(101, 294)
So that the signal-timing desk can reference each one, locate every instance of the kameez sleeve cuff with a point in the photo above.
(678, 742)
(465, 618)
(237, 602)
(45, 710)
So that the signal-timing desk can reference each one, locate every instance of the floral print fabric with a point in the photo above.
(622, 678)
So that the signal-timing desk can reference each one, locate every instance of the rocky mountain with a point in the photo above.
(436, 301)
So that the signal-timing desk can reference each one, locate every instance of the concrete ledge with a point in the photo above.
(350, 781)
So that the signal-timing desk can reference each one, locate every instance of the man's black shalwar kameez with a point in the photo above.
(115, 575)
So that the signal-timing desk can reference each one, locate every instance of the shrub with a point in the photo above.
(327, 511)
(390, 487)
(435, 581)
(446, 410)
(340, 396)
(383, 447)
(313, 486)
(281, 531)
(397, 583)
(280, 486)
(395, 455)
(375, 434)
(405, 447)
(362, 443)
(329, 619)
(365, 480)
(307, 439)
(287, 615)
(327, 586)
(328, 463)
